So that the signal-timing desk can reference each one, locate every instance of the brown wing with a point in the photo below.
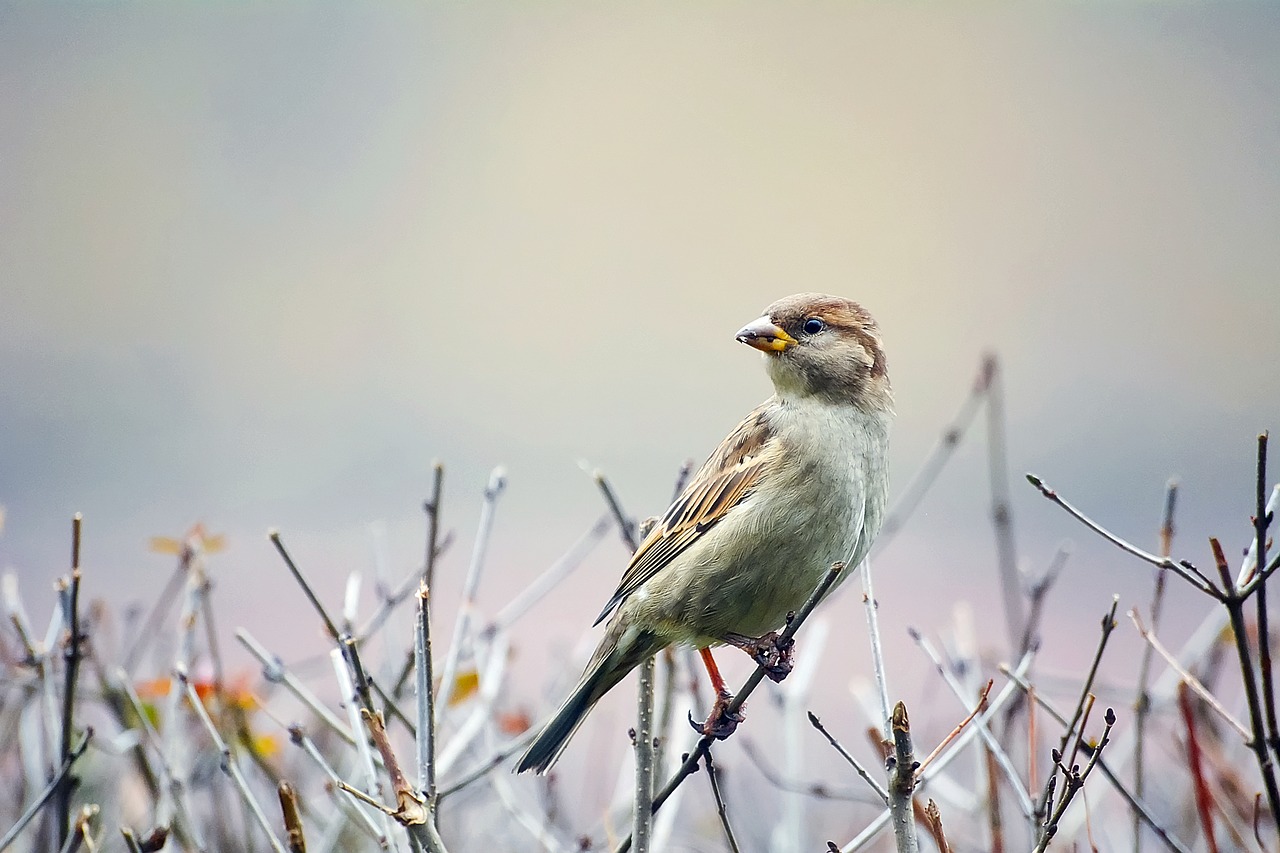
(724, 480)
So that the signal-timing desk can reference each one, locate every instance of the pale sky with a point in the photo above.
(262, 264)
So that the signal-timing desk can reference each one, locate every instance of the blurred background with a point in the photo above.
(262, 264)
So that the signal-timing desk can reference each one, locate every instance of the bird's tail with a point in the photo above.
(611, 662)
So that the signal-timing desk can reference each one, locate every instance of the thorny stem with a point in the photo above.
(1234, 603)
(753, 681)
(71, 655)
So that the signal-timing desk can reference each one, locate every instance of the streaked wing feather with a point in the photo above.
(728, 476)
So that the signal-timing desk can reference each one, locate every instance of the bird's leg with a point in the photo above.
(719, 723)
(768, 650)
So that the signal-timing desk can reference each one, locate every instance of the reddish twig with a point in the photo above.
(1204, 801)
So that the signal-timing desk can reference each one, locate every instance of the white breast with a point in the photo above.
(824, 503)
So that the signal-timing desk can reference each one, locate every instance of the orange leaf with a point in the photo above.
(464, 686)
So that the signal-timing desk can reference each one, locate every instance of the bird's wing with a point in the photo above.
(730, 474)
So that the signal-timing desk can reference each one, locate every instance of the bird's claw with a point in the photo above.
(719, 724)
(770, 651)
(775, 655)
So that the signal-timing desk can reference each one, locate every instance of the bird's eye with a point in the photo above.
(813, 325)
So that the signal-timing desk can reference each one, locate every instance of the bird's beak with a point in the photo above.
(765, 336)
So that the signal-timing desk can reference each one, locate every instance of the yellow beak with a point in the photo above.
(765, 336)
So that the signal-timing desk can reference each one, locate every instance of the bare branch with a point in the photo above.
(1182, 569)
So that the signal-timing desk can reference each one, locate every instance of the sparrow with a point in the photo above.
(798, 485)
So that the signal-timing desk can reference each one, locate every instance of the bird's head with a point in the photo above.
(822, 345)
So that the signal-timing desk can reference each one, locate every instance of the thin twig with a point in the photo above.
(877, 651)
(626, 526)
(1045, 803)
(1073, 781)
(549, 579)
(816, 790)
(493, 763)
(998, 753)
(228, 763)
(642, 735)
(1182, 569)
(71, 655)
(299, 737)
(432, 508)
(1008, 692)
(330, 628)
(1037, 592)
(275, 672)
(156, 616)
(955, 732)
(1234, 603)
(1188, 679)
(1142, 705)
(1136, 805)
(935, 826)
(1260, 522)
(927, 474)
(48, 792)
(424, 686)
(354, 704)
(410, 811)
(1204, 800)
(461, 626)
(853, 762)
(294, 836)
(721, 809)
(1001, 506)
(691, 761)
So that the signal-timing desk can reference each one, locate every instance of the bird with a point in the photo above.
(798, 485)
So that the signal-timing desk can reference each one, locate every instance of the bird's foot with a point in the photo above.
(769, 651)
(719, 724)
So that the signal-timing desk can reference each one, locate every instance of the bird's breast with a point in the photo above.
(822, 501)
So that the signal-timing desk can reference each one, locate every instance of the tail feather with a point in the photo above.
(604, 671)
(554, 737)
